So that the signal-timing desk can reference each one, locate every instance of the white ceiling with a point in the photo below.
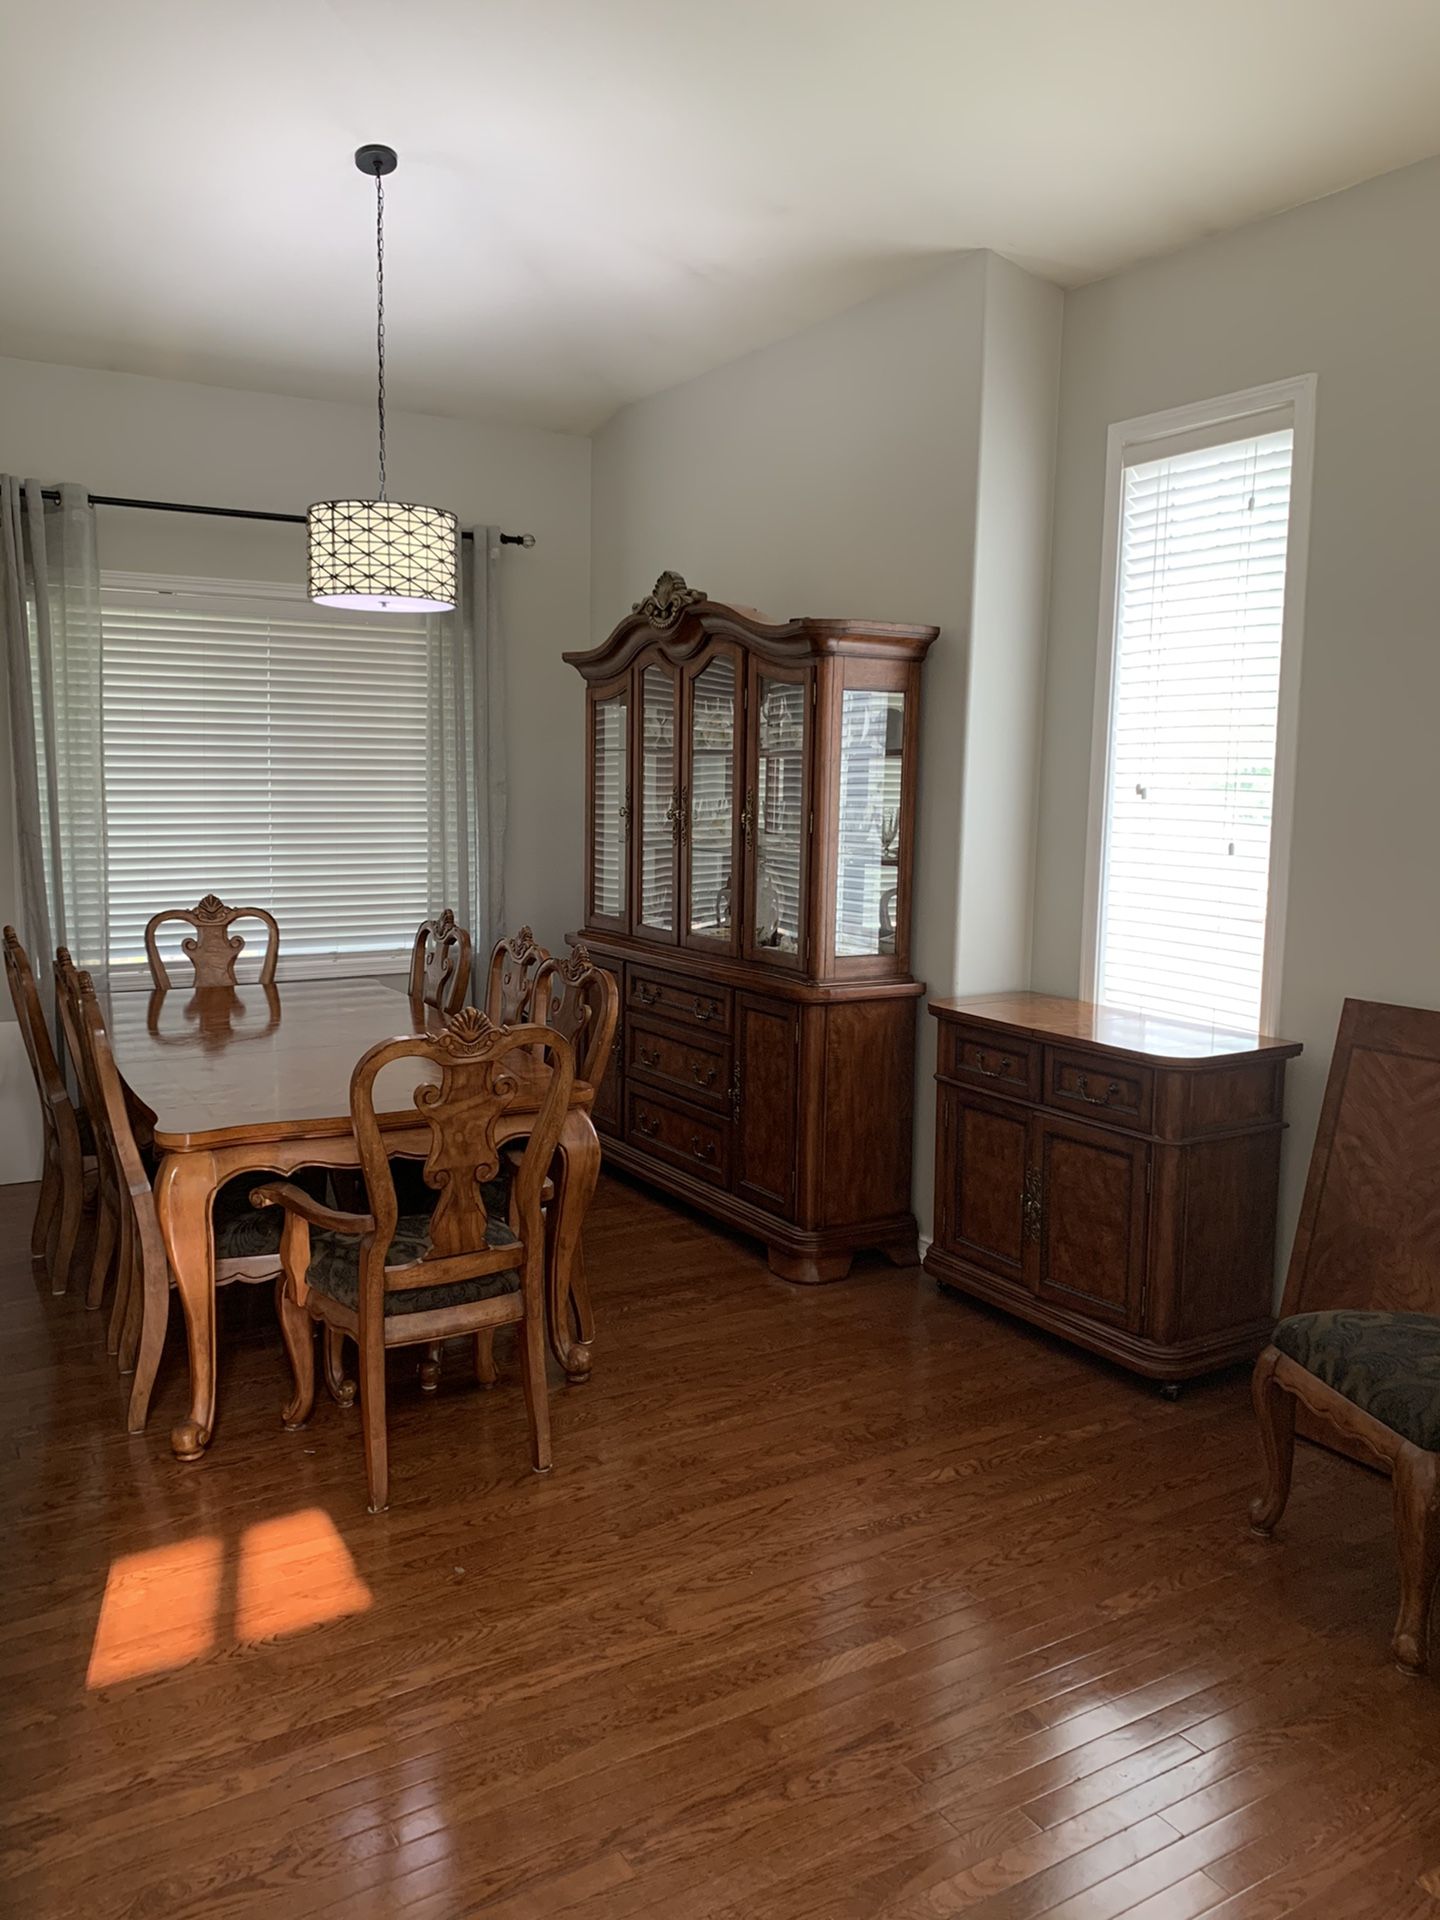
(599, 198)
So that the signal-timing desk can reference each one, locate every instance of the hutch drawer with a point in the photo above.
(678, 1134)
(697, 1066)
(689, 1003)
(1088, 1084)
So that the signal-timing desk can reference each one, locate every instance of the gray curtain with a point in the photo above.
(466, 764)
(50, 631)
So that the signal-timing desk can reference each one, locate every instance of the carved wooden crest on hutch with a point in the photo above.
(750, 813)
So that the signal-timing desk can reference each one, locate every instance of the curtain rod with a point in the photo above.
(242, 513)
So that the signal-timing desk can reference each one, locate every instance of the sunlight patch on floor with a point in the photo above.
(166, 1607)
(159, 1611)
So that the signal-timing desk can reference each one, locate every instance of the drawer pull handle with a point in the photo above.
(649, 1056)
(645, 993)
(704, 1077)
(706, 1009)
(1004, 1071)
(702, 1149)
(644, 1124)
(1082, 1087)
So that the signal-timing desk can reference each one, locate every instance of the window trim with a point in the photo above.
(1125, 440)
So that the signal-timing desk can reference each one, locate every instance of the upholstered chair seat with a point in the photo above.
(335, 1268)
(1387, 1364)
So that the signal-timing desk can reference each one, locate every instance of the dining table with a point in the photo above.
(255, 1079)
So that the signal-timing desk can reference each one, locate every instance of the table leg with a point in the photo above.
(577, 1168)
(184, 1188)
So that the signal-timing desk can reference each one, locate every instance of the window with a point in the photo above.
(1190, 806)
(272, 752)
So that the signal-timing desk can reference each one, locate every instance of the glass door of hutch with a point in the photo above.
(710, 778)
(608, 864)
(777, 814)
(659, 805)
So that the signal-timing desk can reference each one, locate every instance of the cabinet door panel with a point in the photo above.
(708, 782)
(767, 1051)
(777, 815)
(657, 836)
(1089, 1253)
(608, 826)
(983, 1154)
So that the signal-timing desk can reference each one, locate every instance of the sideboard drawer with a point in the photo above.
(998, 1061)
(1111, 1090)
(687, 1002)
(696, 1066)
(679, 1135)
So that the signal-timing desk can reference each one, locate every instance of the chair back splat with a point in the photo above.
(510, 987)
(581, 1001)
(440, 964)
(212, 948)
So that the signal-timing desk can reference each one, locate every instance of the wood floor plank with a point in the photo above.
(841, 1604)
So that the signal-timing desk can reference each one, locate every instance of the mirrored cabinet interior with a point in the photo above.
(749, 851)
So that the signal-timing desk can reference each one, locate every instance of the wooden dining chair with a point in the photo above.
(387, 1279)
(66, 1136)
(247, 1243)
(510, 984)
(580, 1000)
(440, 964)
(212, 948)
(107, 1195)
(1371, 1381)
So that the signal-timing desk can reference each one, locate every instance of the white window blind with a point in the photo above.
(274, 753)
(1200, 599)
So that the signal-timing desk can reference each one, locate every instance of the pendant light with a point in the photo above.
(382, 556)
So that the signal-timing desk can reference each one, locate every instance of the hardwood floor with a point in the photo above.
(841, 1603)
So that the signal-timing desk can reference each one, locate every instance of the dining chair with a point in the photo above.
(66, 1136)
(247, 1243)
(440, 964)
(386, 1279)
(582, 1001)
(510, 985)
(1370, 1383)
(212, 948)
(107, 1196)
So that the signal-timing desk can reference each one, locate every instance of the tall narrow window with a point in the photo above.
(1187, 878)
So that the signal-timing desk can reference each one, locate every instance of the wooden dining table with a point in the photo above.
(255, 1079)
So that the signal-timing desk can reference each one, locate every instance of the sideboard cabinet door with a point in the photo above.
(982, 1153)
(767, 1056)
(1087, 1248)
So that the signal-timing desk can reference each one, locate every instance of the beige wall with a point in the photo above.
(844, 471)
(168, 440)
(1349, 289)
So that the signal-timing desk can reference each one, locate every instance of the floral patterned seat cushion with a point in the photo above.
(243, 1232)
(1387, 1364)
(335, 1268)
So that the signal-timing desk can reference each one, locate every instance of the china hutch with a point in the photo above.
(750, 814)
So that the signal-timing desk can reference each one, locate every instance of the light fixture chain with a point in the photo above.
(380, 318)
